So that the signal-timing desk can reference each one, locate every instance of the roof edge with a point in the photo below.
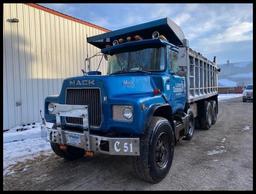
(67, 16)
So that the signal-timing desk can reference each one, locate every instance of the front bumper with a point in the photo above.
(89, 142)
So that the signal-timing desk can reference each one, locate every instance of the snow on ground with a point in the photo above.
(222, 97)
(21, 143)
(213, 152)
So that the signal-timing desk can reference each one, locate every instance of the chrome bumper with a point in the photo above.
(85, 140)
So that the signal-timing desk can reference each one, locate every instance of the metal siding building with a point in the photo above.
(40, 50)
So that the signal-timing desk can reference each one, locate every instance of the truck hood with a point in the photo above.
(113, 85)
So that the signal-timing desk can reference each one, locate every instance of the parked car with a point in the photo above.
(248, 93)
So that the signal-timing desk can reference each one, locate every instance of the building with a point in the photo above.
(234, 76)
(230, 90)
(41, 48)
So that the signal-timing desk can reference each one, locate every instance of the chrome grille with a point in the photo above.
(90, 97)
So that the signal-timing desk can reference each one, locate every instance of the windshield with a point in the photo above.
(249, 87)
(150, 59)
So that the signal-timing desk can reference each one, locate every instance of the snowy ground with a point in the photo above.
(222, 97)
(21, 143)
(24, 142)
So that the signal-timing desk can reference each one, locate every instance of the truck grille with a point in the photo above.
(90, 97)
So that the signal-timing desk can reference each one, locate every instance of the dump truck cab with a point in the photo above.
(155, 58)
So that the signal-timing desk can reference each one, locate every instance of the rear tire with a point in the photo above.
(71, 153)
(156, 151)
(191, 125)
(214, 111)
(206, 116)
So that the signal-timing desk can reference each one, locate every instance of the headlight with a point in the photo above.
(51, 107)
(127, 113)
(122, 113)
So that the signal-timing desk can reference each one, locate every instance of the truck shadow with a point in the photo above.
(101, 172)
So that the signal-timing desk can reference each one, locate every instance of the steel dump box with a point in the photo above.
(201, 74)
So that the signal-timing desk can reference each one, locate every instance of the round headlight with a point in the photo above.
(51, 107)
(127, 113)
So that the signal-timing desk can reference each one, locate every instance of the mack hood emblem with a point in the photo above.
(82, 82)
(128, 83)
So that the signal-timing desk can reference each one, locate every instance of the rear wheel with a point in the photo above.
(71, 153)
(191, 125)
(156, 151)
(214, 111)
(206, 116)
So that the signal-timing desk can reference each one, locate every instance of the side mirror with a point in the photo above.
(105, 57)
(171, 72)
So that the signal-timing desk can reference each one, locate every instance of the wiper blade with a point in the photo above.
(140, 71)
(118, 72)
(135, 71)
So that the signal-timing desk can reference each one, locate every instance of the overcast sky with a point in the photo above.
(222, 30)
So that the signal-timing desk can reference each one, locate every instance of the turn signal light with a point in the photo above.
(63, 147)
(88, 153)
(156, 91)
(129, 38)
(137, 37)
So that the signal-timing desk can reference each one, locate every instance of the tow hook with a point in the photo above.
(88, 153)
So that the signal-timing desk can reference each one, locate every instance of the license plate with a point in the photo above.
(73, 139)
(125, 147)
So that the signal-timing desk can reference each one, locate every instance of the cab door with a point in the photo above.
(177, 97)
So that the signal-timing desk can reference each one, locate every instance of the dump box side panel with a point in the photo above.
(201, 75)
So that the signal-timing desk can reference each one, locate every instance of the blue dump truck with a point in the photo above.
(156, 92)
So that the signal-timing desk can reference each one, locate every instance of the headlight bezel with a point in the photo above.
(119, 112)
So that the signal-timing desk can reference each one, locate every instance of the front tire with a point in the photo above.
(156, 151)
(71, 153)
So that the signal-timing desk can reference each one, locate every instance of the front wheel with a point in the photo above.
(156, 151)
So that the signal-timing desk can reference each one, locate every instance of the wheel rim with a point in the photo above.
(191, 125)
(209, 117)
(162, 150)
(214, 112)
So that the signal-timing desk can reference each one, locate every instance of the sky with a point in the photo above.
(221, 30)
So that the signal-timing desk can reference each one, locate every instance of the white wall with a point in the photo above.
(40, 51)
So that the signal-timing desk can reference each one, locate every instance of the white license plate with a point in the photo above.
(125, 146)
(73, 139)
